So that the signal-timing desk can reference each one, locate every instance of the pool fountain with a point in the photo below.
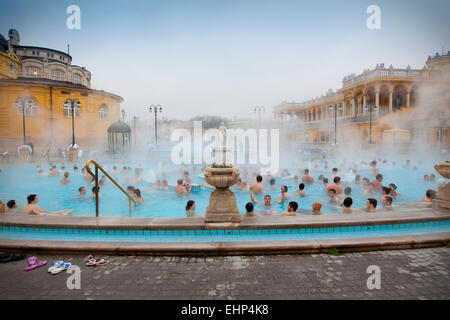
(222, 208)
(442, 201)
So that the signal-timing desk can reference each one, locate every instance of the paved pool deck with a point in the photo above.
(405, 274)
(226, 248)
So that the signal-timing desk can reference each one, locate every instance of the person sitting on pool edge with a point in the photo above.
(291, 209)
(190, 209)
(371, 205)
(316, 208)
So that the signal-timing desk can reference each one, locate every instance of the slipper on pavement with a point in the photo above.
(36, 265)
(64, 266)
(54, 265)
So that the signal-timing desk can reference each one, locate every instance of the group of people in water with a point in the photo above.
(338, 195)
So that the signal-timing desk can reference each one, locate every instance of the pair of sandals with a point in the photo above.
(7, 257)
(92, 261)
(34, 263)
(58, 266)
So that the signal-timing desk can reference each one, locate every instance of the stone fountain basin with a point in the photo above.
(444, 169)
(222, 177)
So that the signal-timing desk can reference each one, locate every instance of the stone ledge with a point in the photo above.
(226, 248)
(279, 222)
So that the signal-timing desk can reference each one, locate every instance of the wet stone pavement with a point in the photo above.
(405, 274)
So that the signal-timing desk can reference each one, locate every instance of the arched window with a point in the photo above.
(58, 75)
(76, 78)
(33, 72)
(103, 112)
(28, 104)
(12, 68)
(67, 110)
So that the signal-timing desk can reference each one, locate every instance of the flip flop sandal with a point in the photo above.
(4, 255)
(101, 262)
(54, 265)
(61, 268)
(92, 262)
(32, 261)
(37, 265)
(89, 258)
(12, 257)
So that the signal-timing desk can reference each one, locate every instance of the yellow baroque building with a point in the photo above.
(38, 87)
(370, 105)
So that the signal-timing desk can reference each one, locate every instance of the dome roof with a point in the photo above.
(119, 127)
(3, 43)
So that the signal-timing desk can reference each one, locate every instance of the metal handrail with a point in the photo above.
(97, 166)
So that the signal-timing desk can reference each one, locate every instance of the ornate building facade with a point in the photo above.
(370, 104)
(38, 87)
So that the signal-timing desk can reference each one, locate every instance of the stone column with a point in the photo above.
(377, 103)
(364, 104)
(344, 113)
(390, 101)
(353, 102)
(408, 94)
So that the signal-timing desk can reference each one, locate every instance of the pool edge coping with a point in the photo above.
(228, 248)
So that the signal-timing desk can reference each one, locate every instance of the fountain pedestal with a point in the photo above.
(222, 208)
(442, 201)
(72, 154)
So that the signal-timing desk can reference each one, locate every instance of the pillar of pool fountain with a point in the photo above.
(442, 200)
(222, 209)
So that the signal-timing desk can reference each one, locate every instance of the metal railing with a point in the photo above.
(97, 167)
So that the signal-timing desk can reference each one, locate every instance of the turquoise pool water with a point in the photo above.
(74, 234)
(18, 181)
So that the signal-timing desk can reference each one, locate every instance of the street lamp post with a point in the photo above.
(336, 108)
(134, 123)
(259, 110)
(155, 108)
(72, 105)
(23, 120)
(370, 108)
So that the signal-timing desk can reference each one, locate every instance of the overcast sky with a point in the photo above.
(225, 57)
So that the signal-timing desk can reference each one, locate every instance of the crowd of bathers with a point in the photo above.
(338, 195)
